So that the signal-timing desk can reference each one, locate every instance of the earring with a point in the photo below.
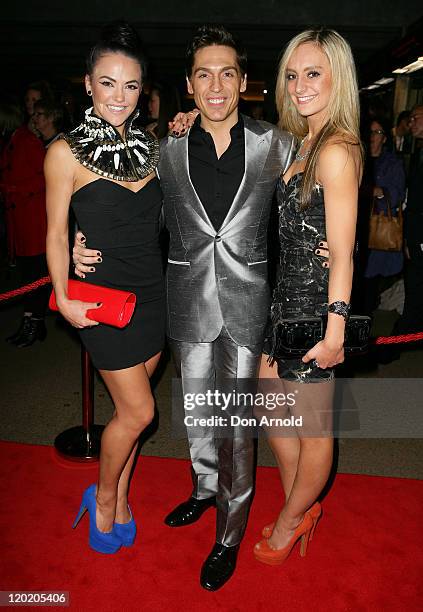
(89, 92)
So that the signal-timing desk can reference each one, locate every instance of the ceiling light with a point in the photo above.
(384, 81)
(410, 67)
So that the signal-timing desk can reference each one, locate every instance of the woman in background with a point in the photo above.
(23, 188)
(383, 185)
(48, 121)
(38, 90)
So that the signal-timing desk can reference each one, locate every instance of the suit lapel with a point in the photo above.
(178, 154)
(255, 158)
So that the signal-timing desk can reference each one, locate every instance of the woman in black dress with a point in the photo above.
(317, 100)
(104, 170)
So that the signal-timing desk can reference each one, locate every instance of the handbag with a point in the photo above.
(385, 231)
(295, 337)
(117, 307)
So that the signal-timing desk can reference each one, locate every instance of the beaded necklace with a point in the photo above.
(98, 146)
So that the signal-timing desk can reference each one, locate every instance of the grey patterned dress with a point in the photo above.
(302, 282)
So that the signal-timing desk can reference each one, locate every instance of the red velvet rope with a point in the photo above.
(398, 339)
(25, 289)
(402, 339)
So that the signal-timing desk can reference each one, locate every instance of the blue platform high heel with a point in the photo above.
(126, 532)
(107, 543)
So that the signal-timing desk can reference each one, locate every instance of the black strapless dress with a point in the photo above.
(124, 226)
(302, 282)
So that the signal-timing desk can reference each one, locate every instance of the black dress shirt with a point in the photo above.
(216, 181)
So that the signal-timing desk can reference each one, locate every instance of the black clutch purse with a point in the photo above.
(295, 337)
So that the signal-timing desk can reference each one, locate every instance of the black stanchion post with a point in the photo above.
(87, 390)
(82, 443)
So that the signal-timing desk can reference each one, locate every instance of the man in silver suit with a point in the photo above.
(218, 184)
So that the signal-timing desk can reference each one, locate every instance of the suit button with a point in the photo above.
(218, 238)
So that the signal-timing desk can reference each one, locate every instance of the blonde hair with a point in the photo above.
(343, 111)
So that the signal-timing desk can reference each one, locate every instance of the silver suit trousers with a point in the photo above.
(221, 465)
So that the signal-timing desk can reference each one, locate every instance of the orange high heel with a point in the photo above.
(265, 554)
(315, 512)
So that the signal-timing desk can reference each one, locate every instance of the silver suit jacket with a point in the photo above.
(220, 277)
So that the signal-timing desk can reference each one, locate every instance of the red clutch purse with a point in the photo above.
(117, 307)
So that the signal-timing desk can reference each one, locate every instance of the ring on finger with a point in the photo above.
(316, 363)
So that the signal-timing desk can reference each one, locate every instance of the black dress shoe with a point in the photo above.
(219, 566)
(189, 511)
(30, 334)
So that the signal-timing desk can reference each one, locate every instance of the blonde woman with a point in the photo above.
(317, 100)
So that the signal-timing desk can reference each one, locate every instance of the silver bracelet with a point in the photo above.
(340, 308)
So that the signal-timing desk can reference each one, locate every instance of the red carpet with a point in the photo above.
(366, 554)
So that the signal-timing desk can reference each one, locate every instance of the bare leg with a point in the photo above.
(122, 513)
(134, 410)
(285, 450)
(314, 402)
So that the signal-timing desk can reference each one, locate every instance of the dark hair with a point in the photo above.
(169, 105)
(118, 37)
(405, 114)
(386, 127)
(384, 124)
(44, 87)
(208, 35)
(51, 110)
